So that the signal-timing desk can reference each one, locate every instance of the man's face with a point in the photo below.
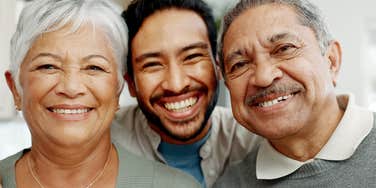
(174, 74)
(279, 81)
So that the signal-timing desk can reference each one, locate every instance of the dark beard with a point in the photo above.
(155, 120)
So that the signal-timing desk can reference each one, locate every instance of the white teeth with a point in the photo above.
(70, 111)
(274, 101)
(181, 105)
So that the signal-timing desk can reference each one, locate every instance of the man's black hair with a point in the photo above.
(139, 10)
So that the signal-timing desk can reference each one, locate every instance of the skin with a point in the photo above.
(172, 62)
(269, 54)
(68, 71)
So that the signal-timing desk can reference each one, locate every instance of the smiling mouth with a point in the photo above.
(70, 111)
(273, 101)
(181, 106)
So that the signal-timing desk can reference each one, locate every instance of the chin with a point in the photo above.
(185, 132)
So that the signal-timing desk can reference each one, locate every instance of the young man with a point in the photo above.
(281, 65)
(173, 74)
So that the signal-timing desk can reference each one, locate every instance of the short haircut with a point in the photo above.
(43, 16)
(139, 10)
(307, 13)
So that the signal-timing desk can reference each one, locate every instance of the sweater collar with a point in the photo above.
(354, 126)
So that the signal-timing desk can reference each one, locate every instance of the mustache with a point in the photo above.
(275, 88)
(168, 93)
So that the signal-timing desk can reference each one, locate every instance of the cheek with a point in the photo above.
(35, 87)
(238, 89)
(203, 71)
(105, 89)
(146, 83)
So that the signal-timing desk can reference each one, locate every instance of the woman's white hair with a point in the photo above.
(42, 16)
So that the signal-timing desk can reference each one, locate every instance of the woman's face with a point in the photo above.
(69, 87)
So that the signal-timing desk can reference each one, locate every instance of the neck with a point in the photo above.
(79, 165)
(308, 142)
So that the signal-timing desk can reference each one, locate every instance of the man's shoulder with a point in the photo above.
(224, 124)
(223, 115)
(128, 117)
(135, 169)
(239, 173)
(126, 112)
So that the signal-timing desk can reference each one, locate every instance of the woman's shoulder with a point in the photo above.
(136, 170)
(8, 171)
(9, 162)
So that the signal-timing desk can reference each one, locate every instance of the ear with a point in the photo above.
(13, 89)
(131, 85)
(334, 55)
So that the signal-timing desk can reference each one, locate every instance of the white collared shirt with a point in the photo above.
(354, 126)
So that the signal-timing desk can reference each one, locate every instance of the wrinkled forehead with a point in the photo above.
(263, 24)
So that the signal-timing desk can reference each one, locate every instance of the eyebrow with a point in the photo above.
(233, 55)
(46, 54)
(200, 45)
(96, 56)
(273, 39)
(281, 36)
(147, 55)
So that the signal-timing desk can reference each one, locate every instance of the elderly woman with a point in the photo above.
(66, 76)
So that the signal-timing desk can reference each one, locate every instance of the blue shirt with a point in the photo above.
(185, 157)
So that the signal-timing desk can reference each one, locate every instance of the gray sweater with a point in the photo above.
(357, 171)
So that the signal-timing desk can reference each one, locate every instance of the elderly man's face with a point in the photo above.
(70, 86)
(174, 78)
(278, 79)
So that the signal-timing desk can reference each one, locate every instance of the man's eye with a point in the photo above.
(284, 49)
(192, 56)
(237, 66)
(151, 65)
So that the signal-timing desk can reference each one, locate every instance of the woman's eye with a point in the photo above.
(46, 67)
(95, 68)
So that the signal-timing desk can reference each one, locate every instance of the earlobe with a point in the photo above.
(334, 55)
(131, 86)
(12, 86)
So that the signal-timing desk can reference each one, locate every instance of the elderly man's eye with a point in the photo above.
(237, 66)
(284, 49)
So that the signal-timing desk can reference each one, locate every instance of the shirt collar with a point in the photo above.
(354, 126)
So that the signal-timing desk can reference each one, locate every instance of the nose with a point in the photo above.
(176, 79)
(71, 85)
(265, 73)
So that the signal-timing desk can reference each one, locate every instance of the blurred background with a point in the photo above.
(353, 23)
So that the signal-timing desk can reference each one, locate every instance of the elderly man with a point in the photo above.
(281, 65)
(173, 74)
